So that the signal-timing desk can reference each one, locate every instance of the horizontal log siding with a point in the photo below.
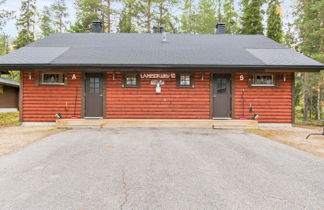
(41, 103)
(273, 104)
(171, 103)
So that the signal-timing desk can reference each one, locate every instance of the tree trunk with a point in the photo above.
(319, 103)
(149, 16)
(108, 19)
(306, 96)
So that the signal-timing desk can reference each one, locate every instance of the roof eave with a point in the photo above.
(7, 67)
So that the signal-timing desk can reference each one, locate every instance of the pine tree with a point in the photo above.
(46, 22)
(129, 11)
(25, 23)
(230, 17)
(145, 15)
(88, 11)
(274, 23)
(163, 15)
(60, 14)
(188, 17)
(205, 18)
(251, 19)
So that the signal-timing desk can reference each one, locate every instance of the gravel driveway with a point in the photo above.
(150, 168)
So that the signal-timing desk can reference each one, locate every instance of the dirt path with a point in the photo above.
(295, 137)
(16, 137)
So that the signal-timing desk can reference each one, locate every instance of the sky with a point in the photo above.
(15, 5)
(11, 29)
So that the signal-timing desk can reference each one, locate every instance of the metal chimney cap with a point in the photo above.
(221, 28)
(96, 26)
(164, 37)
(161, 29)
(155, 29)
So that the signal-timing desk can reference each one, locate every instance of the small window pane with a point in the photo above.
(94, 85)
(131, 81)
(221, 85)
(48, 78)
(260, 79)
(185, 80)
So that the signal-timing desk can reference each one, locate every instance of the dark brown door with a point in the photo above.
(222, 96)
(94, 95)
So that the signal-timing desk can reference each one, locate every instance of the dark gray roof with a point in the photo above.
(8, 82)
(147, 50)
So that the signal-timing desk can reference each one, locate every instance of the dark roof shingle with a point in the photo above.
(147, 50)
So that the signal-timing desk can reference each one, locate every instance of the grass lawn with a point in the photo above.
(9, 119)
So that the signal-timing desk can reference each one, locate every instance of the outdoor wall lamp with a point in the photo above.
(202, 76)
(30, 76)
(113, 76)
(73, 77)
(158, 88)
(284, 78)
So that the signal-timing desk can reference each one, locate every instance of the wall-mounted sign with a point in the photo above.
(158, 76)
(155, 82)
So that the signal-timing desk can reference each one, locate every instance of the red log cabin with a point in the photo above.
(157, 76)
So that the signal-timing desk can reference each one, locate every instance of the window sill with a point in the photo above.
(52, 84)
(186, 86)
(262, 85)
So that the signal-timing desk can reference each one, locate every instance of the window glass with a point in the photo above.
(94, 85)
(131, 80)
(263, 80)
(185, 80)
(52, 78)
(221, 85)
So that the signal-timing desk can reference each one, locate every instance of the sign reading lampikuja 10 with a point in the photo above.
(158, 76)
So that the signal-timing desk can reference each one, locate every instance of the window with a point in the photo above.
(131, 80)
(52, 79)
(259, 79)
(94, 83)
(185, 81)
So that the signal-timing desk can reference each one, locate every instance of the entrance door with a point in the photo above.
(222, 96)
(94, 95)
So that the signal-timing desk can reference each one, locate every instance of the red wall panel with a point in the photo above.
(41, 103)
(273, 104)
(171, 103)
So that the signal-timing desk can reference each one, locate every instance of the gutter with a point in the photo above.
(315, 68)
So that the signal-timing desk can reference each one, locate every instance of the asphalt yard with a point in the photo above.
(160, 168)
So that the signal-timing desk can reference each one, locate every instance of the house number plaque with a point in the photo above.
(158, 76)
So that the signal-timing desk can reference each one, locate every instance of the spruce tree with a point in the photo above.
(274, 23)
(310, 24)
(230, 17)
(25, 23)
(252, 17)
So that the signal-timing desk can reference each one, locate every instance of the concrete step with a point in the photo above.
(217, 124)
